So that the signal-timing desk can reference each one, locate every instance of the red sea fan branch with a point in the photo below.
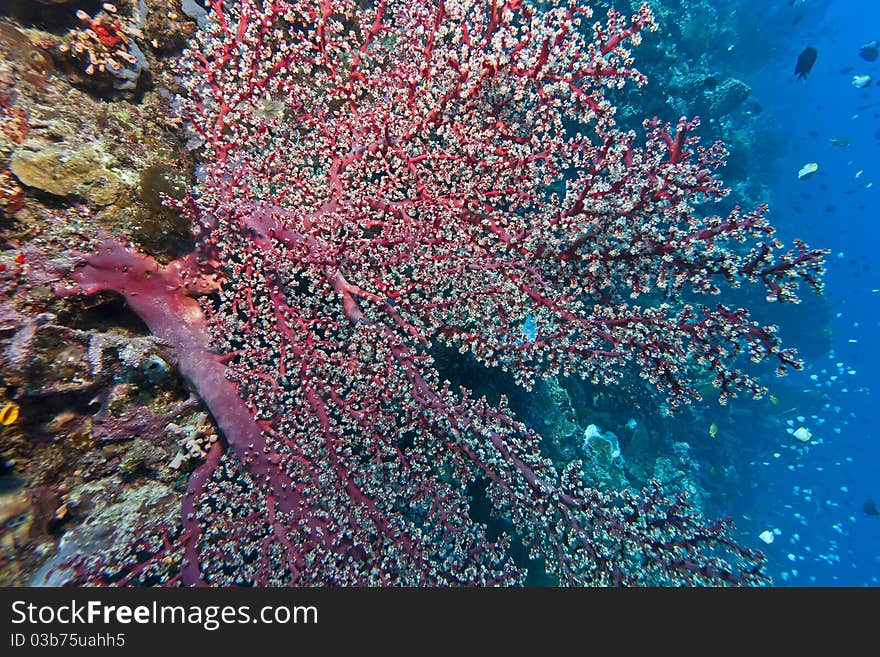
(381, 178)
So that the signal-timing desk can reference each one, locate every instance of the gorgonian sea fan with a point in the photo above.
(382, 177)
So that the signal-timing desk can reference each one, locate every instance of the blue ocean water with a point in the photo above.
(815, 496)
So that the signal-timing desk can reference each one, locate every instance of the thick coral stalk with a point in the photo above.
(162, 296)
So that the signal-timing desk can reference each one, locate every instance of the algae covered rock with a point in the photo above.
(113, 515)
(727, 96)
(65, 169)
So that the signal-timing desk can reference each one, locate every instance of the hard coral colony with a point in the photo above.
(379, 179)
(105, 44)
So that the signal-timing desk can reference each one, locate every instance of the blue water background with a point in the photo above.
(813, 494)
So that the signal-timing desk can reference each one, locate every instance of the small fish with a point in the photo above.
(861, 81)
(9, 413)
(869, 51)
(840, 142)
(805, 62)
(713, 430)
(807, 170)
(870, 508)
(774, 400)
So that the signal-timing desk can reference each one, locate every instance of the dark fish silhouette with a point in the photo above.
(869, 51)
(870, 507)
(805, 62)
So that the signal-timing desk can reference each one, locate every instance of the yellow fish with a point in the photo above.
(774, 400)
(808, 170)
(713, 430)
(9, 414)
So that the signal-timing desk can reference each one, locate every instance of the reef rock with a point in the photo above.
(65, 169)
(728, 96)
